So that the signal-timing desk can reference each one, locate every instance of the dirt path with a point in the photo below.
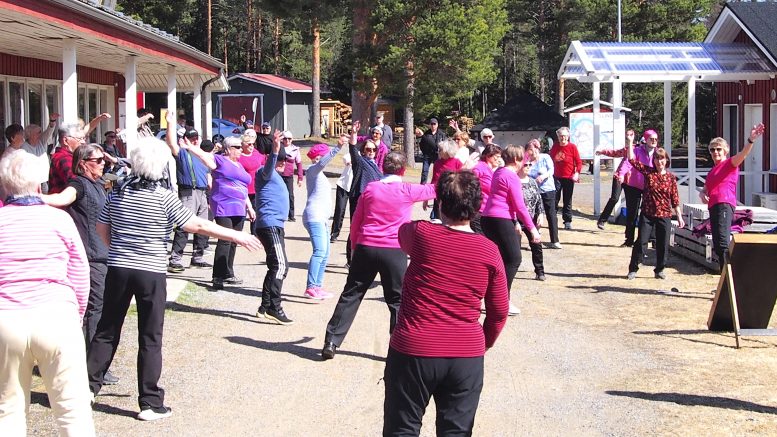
(591, 354)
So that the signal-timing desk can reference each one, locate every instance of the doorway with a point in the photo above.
(753, 180)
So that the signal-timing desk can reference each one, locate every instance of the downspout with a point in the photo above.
(207, 123)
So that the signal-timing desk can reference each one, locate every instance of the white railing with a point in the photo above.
(701, 176)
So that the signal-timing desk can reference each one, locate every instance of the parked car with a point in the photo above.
(220, 126)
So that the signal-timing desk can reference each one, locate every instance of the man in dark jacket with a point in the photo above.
(428, 146)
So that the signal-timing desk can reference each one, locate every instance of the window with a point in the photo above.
(35, 104)
(16, 102)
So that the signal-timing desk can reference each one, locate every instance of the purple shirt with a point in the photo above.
(230, 188)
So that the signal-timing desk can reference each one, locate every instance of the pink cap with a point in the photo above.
(649, 133)
(318, 150)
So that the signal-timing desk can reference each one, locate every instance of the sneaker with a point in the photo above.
(540, 277)
(279, 316)
(110, 379)
(568, 226)
(150, 413)
(234, 280)
(513, 310)
(660, 275)
(312, 293)
(555, 245)
(174, 267)
(261, 313)
(600, 225)
(218, 284)
(200, 263)
(631, 275)
(324, 294)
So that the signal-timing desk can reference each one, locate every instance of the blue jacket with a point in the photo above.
(272, 198)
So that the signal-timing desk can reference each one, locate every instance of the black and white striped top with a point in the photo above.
(140, 219)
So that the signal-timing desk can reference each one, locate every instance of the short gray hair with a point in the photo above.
(394, 163)
(19, 173)
(232, 142)
(149, 158)
(29, 129)
(562, 129)
(72, 130)
(447, 148)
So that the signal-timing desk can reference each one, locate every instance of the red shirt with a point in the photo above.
(566, 160)
(660, 195)
(441, 165)
(61, 170)
(440, 311)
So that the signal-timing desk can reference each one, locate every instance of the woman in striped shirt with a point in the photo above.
(437, 347)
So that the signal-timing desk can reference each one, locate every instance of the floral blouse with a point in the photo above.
(532, 198)
(660, 196)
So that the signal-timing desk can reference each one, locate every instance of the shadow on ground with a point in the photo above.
(611, 289)
(697, 400)
(295, 348)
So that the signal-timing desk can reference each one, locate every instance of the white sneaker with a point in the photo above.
(148, 413)
(513, 310)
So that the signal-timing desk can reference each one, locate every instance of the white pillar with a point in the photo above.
(668, 117)
(597, 143)
(172, 99)
(692, 140)
(131, 101)
(208, 113)
(618, 125)
(69, 83)
(197, 106)
(285, 114)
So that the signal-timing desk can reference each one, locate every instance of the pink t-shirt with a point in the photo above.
(251, 163)
(485, 175)
(721, 184)
(506, 200)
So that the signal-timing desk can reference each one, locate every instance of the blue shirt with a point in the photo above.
(544, 166)
(185, 163)
(272, 198)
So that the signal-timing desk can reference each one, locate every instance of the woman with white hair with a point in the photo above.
(720, 190)
(250, 159)
(36, 141)
(566, 172)
(135, 222)
(446, 161)
(44, 286)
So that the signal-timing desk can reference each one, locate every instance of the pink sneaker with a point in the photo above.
(323, 294)
(313, 293)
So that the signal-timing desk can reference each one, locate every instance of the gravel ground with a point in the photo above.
(591, 354)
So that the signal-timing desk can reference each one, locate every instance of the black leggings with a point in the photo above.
(503, 233)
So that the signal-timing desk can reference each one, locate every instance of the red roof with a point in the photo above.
(280, 82)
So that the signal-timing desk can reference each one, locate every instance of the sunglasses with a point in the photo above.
(653, 138)
(237, 147)
(369, 149)
(95, 160)
(716, 149)
(528, 164)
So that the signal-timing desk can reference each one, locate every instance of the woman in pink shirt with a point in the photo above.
(44, 287)
(484, 170)
(720, 190)
(504, 206)
(250, 159)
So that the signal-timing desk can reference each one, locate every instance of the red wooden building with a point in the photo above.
(80, 59)
(744, 103)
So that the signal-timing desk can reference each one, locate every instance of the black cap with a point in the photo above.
(433, 121)
(192, 134)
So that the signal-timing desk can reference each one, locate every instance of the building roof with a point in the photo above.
(523, 112)
(663, 62)
(756, 19)
(103, 38)
(273, 80)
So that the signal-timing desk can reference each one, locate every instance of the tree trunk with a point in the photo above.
(360, 99)
(258, 41)
(560, 96)
(210, 25)
(276, 45)
(315, 120)
(409, 134)
(249, 35)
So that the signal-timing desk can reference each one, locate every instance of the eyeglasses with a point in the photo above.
(716, 150)
(369, 149)
(528, 164)
(236, 147)
(653, 138)
(95, 160)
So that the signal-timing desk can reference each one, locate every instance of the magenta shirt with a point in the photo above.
(506, 200)
(485, 174)
(230, 188)
(721, 184)
(251, 163)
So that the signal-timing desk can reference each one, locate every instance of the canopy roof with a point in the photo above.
(664, 61)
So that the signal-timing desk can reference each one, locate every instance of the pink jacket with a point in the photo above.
(626, 171)
(383, 207)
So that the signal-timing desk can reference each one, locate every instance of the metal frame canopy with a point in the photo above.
(666, 62)
(663, 61)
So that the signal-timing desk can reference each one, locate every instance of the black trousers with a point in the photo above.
(615, 196)
(662, 227)
(549, 203)
(289, 180)
(272, 240)
(455, 384)
(341, 201)
(150, 292)
(564, 190)
(352, 202)
(721, 216)
(502, 232)
(224, 259)
(536, 252)
(633, 200)
(94, 306)
(366, 264)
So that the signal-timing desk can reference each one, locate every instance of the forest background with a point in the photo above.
(438, 57)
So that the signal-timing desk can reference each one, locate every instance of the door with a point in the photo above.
(754, 163)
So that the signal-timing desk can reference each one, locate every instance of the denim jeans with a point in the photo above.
(426, 163)
(319, 237)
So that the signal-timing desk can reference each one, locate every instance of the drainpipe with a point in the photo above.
(209, 104)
